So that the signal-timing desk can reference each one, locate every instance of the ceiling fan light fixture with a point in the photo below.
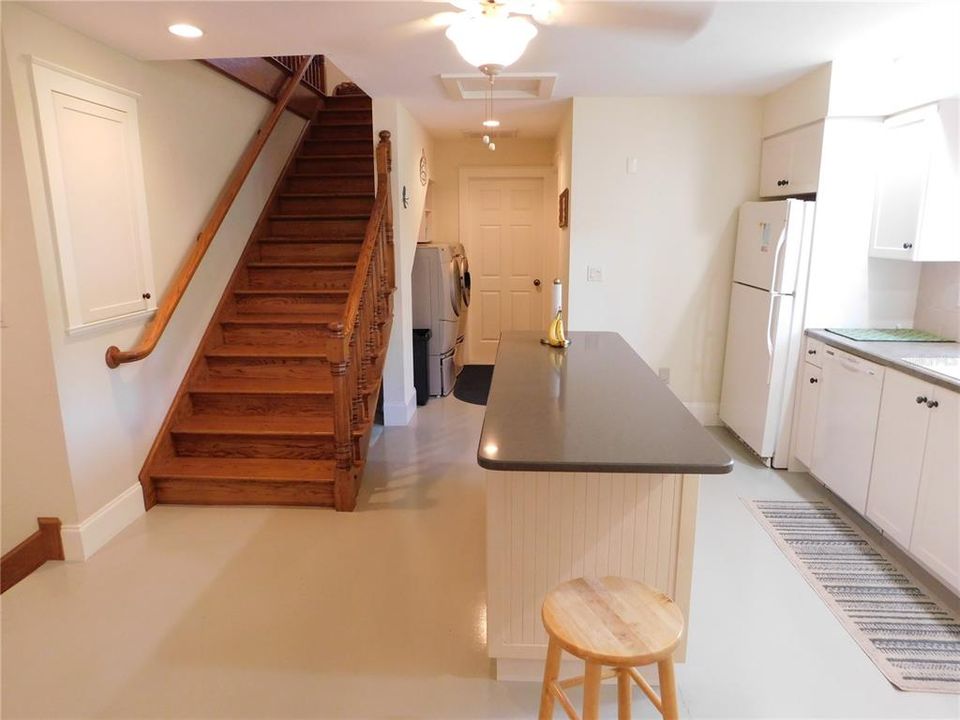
(491, 39)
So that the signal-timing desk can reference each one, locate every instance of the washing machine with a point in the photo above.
(441, 296)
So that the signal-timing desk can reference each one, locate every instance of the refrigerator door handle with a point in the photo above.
(774, 303)
(776, 281)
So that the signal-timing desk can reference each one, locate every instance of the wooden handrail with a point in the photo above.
(154, 329)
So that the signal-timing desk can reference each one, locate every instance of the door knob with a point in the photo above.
(536, 283)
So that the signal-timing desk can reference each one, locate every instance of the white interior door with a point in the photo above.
(504, 236)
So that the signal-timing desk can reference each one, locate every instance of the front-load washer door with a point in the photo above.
(463, 279)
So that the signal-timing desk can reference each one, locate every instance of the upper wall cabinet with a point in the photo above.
(91, 147)
(916, 213)
(790, 162)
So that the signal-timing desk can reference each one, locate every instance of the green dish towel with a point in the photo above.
(887, 335)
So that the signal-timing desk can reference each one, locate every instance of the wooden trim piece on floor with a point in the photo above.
(45, 544)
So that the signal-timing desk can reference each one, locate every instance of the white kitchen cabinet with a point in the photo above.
(807, 413)
(935, 540)
(846, 425)
(790, 162)
(898, 455)
(916, 215)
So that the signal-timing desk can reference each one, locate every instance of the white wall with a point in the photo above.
(664, 237)
(194, 124)
(563, 161)
(408, 139)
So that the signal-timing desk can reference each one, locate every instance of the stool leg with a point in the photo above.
(668, 690)
(591, 691)
(551, 672)
(624, 687)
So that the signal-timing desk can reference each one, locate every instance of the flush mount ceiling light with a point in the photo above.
(185, 30)
(491, 38)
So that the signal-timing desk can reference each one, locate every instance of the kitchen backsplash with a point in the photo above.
(938, 299)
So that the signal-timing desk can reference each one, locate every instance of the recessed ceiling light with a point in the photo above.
(185, 30)
(491, 123)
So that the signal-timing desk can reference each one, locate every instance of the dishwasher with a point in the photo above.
(847, 425)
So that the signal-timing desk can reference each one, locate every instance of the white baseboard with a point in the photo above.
(84, 539)
(706, 413)
(400, 413)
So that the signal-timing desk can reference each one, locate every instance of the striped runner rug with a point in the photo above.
(909, 635)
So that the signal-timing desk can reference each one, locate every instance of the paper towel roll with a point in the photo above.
(557, 300)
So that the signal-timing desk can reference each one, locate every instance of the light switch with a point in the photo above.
(633, 165)
(594, 274)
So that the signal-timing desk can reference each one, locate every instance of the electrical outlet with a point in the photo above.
(664, 374)
(594, 274)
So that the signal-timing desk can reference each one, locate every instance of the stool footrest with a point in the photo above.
(565, 703)
(579, 679)
(645, 686)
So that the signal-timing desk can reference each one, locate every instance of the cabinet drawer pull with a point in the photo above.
(921, 399)
(933, 404)
(813, 381)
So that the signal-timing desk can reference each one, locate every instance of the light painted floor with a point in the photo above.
(293, 613)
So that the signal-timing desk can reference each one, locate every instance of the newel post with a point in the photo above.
(338, 348)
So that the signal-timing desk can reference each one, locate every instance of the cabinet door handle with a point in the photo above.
(146, 296)
(907, 246)
(932, 404)
(921, 399)
(811, 352)
(813, 381)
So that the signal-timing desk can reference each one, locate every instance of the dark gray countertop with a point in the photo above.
(592, 407)
(891, 354)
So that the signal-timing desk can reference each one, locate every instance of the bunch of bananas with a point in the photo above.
(555, 334)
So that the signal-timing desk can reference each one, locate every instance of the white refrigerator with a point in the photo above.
(765, 329)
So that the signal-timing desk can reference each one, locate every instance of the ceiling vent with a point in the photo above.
(509, 86)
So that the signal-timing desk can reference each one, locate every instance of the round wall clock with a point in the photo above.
(423, 167)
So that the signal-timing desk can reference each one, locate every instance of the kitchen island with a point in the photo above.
(593, 468)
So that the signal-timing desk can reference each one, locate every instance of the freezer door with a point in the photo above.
(769, 240)
(755, 366)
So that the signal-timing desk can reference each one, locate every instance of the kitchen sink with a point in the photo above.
(949, 366)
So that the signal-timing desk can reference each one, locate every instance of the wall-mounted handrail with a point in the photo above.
(154, 329)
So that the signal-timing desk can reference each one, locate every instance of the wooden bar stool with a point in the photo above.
(615, 623)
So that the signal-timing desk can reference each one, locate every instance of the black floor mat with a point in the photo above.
(473, 385)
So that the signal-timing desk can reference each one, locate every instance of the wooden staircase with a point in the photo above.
(277, 405)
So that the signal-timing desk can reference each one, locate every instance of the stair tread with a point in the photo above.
(273, 351)
(309, 216)
(292, 291)
(306, 265)
(226, 468)
(343, 240)
(260, 425)
(280, 318)
(336, 195)
(264, 386)
(330, 175)
(333, 156)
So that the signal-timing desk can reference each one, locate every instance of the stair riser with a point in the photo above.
(245, 492)
(334, 165)
(351, 117)
(342, 132)
(327, 206)
(309, 252)
(319, 229)
(260, 446)
(307, 184)
(364, 146)
(269, 304)
(299, 368)
(297, 279)
(266, 404)
(237, 334)
(348, 102)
